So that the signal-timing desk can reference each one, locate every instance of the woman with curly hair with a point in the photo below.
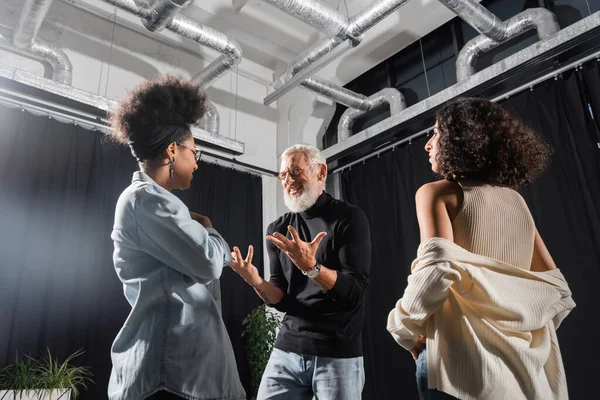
(174, 343)
(484, 297)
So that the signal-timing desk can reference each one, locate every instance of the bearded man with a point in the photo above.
(320, 255)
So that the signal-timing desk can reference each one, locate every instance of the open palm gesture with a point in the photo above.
(244, 267)
(300, 252)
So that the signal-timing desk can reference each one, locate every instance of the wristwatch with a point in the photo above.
(313, 272)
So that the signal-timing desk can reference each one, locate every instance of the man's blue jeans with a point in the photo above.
(291, 376)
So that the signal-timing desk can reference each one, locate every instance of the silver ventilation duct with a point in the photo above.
(478, 17)
(161, 13)
(30, 20)
(354, 29)
(390, 96)
(373, 14)
(213, 71)
(24, 38)
(315, 14)
(540, 19)
(337, 93)
(193, 30)
(550, 47)
(312, 54)
(358, 104)
(211, 121)
(330, 21)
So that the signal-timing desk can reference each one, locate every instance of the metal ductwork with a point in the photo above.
(315, 14)
(343, 29)
(354, 28)
(24, 38)
(332, 23)
(162, 12)
(540, 19)
(581, 33)
(313, 53)
(211, 121)
(337, 93)
(40, 52)
(30, 20)
(478, 17)
(372, 15)
(358, 104)
(194, 30)
(214, 70)
(390, 96)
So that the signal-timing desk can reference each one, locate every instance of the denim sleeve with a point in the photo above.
(167, 232)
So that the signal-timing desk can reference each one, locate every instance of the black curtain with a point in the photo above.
(564, 202)
(59, 185)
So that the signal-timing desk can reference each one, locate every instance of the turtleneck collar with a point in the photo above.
(315, 209)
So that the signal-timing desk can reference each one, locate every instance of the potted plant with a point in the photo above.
(260, 331)
(45, 379)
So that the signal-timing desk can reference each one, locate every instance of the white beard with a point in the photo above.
(297, 204)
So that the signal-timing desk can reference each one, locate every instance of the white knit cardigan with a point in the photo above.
(490, 326)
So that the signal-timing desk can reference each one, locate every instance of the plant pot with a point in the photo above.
(49, 394)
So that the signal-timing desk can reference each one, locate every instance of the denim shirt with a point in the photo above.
(174, 337)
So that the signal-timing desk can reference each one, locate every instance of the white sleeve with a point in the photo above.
(427, 290)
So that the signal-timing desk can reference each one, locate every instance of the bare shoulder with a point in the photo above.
(441, 192)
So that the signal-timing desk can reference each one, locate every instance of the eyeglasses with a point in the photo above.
(197, 153)
(293, 172)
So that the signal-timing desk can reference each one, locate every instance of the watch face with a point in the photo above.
(313, 273)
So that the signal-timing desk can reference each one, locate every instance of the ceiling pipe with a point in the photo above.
(201, 34)
(211, 121)
(478, 17)
(25, 38)
(165, 15)
(354, 29)
(332, 23)
(389, 96)
(540, 19)
(342, 29)
(315, 14)
(162, 12)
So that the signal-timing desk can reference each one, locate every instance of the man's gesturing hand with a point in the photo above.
(301, 253)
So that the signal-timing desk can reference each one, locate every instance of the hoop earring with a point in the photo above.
(171, 168)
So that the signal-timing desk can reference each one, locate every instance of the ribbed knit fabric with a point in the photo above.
(495, 222)
(490, 326)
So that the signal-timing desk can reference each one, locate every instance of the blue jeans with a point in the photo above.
(291, 376)
(424, 392)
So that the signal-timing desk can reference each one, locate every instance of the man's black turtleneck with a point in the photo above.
(317, 323)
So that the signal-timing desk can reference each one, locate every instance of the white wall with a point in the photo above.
(108, 59)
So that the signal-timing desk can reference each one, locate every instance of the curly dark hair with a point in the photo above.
(481, 141)
(161, 103)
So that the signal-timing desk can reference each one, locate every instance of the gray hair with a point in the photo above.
(312, 154)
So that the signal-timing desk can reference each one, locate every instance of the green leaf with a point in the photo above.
(260, 333)
(39, 375)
